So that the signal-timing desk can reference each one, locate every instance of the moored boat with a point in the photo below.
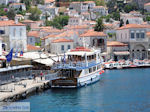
(79, 67)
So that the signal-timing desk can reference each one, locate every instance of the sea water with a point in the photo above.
(125, 90)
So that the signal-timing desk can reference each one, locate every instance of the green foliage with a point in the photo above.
(35, 13)
(28, 28)
(100, 2)
(2, 12)
(116, 15)
(27, 3)
(147, 18)
(111, 5)
(11, 14)
(37, 44)
(58, 22)
(130, 7)
(99, 25)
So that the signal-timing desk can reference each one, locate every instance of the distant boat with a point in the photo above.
(79, 67)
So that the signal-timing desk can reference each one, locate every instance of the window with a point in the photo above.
(68, 46)
(2, 32)
(62, 47)
(142, 35)
(30, 39)
(137, 35)
(90, 70)
(132, 35)
(94, 69)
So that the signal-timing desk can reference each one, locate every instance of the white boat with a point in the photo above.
(82, 66)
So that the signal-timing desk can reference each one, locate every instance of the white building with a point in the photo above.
(14, 35)
(98, 11)
(132, 18)
(7, 1)
(17, 6)
(61, 45)
(92, 38)
(75, 21)
(1, 46)
(135, 36)
(147, 7)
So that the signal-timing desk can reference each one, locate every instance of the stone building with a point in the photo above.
(93, 39)
(135, 36)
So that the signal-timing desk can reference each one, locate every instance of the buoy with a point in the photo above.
(102, 71)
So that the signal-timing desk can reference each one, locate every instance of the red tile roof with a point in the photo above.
(34, 34)
(32, 48)
(92, 33)
(148, 34)
(147, 4)
(10, 23)
(49, 36)
(115, 44)
(61, 40)
(49, 1)
(128, 26)
(88, 2)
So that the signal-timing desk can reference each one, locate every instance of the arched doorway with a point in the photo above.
(139, 52)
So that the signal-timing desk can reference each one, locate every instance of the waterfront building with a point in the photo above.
(61, 45)
(117, 51)
(93, 38)
(135, 36)
(13, 32)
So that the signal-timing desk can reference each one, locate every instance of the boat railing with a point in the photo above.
(74, 64)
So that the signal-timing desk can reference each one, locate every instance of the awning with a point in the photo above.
(122, 53)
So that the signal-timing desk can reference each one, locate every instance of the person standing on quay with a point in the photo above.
(41, 74)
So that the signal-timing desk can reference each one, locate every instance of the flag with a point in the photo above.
(16, 54)
(9, 56)
(21, 53)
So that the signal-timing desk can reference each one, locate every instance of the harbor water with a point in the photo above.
(125, 90)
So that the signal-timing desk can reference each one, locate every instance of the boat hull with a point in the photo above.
(78, 82)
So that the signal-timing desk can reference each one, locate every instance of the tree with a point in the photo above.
(147, 18)
(27, 3)
(116, 15)
(11, 14)
(121, 23)
(99, 25)
(127, 22)
(58, 22)
(100, 2)
(35, 13)
(111, 5)
(130, 7)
